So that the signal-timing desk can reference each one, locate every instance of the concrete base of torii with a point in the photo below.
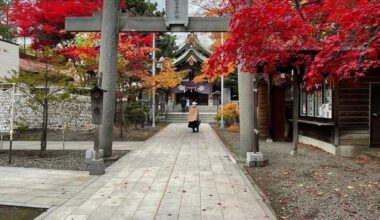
(97, 167)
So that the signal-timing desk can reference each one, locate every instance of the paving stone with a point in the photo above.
(176, 174)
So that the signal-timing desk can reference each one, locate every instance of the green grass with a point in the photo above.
(19, 213)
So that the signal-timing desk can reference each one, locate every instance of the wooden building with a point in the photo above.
(343, 119)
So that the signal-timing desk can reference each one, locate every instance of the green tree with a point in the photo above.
(44, 86)
(143, 8)
(167, 45)
(135, 114)
(5, 29)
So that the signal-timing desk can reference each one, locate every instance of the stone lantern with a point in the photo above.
(96, 164)
(97, 104)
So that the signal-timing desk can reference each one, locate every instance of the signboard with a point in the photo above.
(9, 58)
(177, 13)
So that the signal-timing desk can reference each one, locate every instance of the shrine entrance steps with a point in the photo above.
(206, 113)
(202, 108)
(179, 117)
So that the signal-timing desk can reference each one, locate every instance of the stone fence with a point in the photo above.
(71, 114)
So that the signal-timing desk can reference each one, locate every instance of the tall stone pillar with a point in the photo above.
(246, 107)
(108, 67)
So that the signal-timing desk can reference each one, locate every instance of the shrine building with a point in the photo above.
(190, 56)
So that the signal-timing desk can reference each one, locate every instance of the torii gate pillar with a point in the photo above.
(108, 69)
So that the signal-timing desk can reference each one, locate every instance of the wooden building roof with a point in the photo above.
(191, 51)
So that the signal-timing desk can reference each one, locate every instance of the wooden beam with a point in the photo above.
(149, 24)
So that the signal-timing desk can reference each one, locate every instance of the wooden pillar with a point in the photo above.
(269, 103)
(256, 133)
(296, 109)
(335, 109)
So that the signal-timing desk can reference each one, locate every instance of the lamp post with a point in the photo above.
(154, 89)
(222, 91)
(216, 94)
(96, 164)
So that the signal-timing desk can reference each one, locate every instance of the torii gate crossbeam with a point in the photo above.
(148, 24)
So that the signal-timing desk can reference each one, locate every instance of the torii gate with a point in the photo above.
(111, 22)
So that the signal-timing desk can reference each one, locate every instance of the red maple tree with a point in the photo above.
(43, 20)
(343, 36)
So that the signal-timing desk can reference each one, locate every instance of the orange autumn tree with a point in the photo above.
(214, 8)
(166, 79)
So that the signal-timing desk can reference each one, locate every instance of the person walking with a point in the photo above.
(183, 104)
(193, 117)
(187, 104)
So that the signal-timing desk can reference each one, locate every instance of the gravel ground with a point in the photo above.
(54, 159)
(315, 184)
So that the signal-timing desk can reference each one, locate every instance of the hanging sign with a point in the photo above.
(177, 13)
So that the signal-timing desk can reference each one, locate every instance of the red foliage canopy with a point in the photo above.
(344, 35)
(43, 20)
(133, 53)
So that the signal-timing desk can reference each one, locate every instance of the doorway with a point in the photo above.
(375, 115)
(201, 99)
(278, 113)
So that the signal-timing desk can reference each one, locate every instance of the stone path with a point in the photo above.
(69, 145)
(176, 174)
(38, 187)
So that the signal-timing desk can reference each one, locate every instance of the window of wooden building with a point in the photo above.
(317, 104)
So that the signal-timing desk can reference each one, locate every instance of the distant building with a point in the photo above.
(9, 58)
(190, 56)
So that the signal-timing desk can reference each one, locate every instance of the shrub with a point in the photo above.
(135, 114)
(233, 128)
(230, 114)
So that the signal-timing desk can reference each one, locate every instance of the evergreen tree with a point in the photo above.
(5, 29)
(167, 45)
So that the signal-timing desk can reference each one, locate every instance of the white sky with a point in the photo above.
(203, 37)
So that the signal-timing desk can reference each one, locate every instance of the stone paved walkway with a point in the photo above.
(176, 174)
(39, 187)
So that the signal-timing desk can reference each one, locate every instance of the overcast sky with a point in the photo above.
(203, 37)
(161, 3)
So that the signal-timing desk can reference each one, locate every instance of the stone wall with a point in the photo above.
(5, 109)
(72, 114)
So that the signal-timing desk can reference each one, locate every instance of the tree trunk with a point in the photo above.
(121, 117)
(45, 110)
(44, 127)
